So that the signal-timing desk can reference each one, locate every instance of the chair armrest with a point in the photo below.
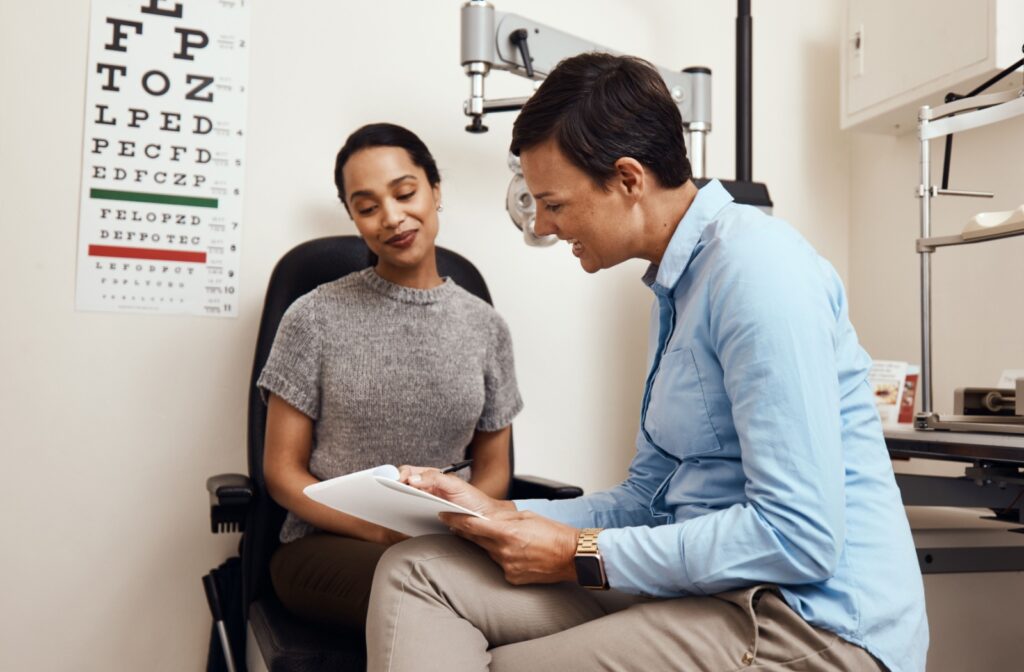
(535, 487)
(230, 495)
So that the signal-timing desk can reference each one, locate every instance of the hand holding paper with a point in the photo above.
(377, 495)
(453, 489)
(529, 548)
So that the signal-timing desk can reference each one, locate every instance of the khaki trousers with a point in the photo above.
(440, 603)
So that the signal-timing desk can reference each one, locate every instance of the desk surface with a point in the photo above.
(938, 444)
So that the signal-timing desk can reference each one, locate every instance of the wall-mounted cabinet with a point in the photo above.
(898, 55)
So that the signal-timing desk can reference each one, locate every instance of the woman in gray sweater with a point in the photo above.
(390, 365)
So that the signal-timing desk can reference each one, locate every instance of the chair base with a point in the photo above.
(253, 658)
(276, 641)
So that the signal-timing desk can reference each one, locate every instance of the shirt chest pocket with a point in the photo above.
(677, 419)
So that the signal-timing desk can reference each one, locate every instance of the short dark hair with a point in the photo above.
(384, 135)
(600, 108)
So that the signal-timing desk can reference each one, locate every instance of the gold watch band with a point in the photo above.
(587, 543)
(588, 561)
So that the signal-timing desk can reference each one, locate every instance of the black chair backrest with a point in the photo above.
(299, 272)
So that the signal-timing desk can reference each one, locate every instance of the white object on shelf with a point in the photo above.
(897, 56)
(986, 224)
(1008, 378)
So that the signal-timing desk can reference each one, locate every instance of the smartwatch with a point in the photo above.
(589, 564)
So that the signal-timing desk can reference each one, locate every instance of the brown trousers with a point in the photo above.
(440, 603)
(325, 578)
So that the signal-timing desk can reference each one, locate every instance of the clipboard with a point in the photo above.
(375, 495)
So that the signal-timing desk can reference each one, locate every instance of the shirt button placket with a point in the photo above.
(666, 323)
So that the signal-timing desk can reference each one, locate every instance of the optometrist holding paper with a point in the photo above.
(760, 523)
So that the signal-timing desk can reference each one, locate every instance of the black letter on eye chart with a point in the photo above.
(186, 42)
(138, 116)
(201, 127)
(172, 121)
(203, 83)
(102, 118)
(154, 8)
(112, 70)
(116, 42)
(145, 83)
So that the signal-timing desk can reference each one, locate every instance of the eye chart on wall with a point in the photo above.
(163, 157)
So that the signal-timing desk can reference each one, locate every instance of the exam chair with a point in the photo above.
(275, 641)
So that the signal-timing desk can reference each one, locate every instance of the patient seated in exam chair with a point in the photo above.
(389, 365)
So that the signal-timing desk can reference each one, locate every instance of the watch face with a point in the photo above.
(588, 571)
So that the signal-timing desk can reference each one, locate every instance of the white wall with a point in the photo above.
(113, 422)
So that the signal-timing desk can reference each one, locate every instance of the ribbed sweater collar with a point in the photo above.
(406, 294)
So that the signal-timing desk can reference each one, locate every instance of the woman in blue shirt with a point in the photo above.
(760, 523)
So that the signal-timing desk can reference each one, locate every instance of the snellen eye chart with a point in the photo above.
(163, 157)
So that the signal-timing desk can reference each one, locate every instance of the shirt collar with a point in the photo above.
(710, 199)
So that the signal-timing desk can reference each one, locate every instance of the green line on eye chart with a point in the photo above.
(143, 197)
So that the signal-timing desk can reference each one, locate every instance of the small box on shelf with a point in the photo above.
(895, 387)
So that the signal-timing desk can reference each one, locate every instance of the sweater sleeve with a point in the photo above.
(293, 370)
(501, 393)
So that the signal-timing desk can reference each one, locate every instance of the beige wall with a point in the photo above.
(113, 422)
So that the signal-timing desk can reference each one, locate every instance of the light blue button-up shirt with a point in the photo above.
(760, 456)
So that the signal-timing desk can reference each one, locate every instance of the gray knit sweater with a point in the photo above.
(390, 374)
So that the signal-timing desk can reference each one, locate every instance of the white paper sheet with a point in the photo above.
(376, 495)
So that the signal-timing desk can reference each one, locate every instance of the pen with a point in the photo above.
(456, 466)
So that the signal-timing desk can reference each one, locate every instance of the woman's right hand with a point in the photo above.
(453, 489)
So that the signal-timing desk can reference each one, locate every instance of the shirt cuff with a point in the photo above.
(647, 561)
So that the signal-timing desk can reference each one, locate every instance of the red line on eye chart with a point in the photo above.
(146, 253)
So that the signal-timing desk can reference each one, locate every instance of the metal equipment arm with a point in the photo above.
(493, 40)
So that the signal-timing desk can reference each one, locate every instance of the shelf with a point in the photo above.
(974, 111)
(970, 120)
(958, 446)
(929, 244)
